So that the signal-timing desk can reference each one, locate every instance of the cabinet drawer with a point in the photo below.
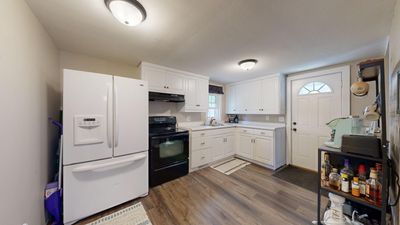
(265, 133)
(200, 143)
(199, 134)
(199, 158)
(245, 131)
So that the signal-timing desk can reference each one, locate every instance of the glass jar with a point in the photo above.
(334, 179)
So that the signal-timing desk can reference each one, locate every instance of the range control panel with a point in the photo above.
(88, 129)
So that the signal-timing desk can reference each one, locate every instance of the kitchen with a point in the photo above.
(196, 113)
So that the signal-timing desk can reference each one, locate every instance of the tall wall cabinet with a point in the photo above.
(167, 80)
(265, 95)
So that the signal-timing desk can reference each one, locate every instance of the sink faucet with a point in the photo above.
(213, 121)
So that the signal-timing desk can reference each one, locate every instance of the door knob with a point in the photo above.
(294, 129)
(294, 123)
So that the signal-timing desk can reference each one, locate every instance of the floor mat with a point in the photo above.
(301, 177)
(230, 166)
(131, 215)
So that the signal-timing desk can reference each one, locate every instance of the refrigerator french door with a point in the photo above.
(105, 147)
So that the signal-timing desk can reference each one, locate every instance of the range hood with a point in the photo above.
(165, 97)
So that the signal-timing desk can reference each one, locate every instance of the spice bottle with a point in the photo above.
(374, 187)
(362, 179)
(355, 187)
(334, 179)
(345, 183)
(325, 170)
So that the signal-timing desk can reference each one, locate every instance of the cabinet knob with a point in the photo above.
(245, 109)
(262, 132)
(202, 134)
(294, 123)
(294, 129)
(198, 105)
(203, 143)
(203, 157)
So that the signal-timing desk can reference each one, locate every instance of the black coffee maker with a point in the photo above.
(233, 118)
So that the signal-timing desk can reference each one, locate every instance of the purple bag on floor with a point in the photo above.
(52, 202)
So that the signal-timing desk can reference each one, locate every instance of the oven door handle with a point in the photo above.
(171, 136)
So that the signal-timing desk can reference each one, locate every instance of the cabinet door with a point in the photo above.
(273, 95)
(218, 148)
(155, 78)
(264, 150)
(190, 94)
(202, 95)
(229, 146)
(252, 97)
(131, 116)
(174, 82)
(230, 99)
(245, 146)
(199, 158)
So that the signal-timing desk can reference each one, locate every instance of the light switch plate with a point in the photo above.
(281, 119)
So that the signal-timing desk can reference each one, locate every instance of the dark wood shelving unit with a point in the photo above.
(339, 155)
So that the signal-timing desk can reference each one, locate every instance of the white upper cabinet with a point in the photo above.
(161, 79)
(167, 80)
(264, 95)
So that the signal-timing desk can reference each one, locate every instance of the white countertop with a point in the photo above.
(256, 125)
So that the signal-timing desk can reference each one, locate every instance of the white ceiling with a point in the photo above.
(210, 36)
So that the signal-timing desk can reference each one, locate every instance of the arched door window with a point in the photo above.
(315, 88)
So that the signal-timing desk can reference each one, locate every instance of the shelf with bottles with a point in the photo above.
(363, 184)
(335, 151)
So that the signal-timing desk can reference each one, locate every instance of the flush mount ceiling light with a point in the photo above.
(128, 12)
(247, 64)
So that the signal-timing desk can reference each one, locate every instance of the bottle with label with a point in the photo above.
(325, 170)
(374, 187)
(334, 179)
(347, 170)
(345, 183)
(362, 179)
(355, 187)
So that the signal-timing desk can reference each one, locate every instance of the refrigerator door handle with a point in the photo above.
(116, 119)
(109, 116)
(118, 163)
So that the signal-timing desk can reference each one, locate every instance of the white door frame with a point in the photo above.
(344, 70)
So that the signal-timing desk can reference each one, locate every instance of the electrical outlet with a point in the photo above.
(267, 118)
(281, 119)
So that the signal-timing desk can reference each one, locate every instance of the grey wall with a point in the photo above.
(393, 56)
(29, 93)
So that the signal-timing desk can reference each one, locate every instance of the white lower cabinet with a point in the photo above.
(264, 147)
(208, 146)
(260, 146)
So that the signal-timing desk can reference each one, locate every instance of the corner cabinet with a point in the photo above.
(263, 147)
(265, 95)
(167, 80)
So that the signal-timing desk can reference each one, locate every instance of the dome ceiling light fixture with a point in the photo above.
(128, 12)
(247, 64)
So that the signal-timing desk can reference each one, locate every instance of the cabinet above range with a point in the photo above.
(167, 80)
(265, 95)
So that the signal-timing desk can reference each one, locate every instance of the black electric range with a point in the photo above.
(168, 149)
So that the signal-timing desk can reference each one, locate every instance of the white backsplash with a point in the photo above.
(172, 109)
(263, 118)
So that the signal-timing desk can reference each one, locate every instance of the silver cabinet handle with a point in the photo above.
(203, 143)
(198, 105)
(203, 157)
(202, 134)
(262, 132)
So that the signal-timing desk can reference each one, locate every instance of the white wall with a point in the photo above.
(76, 61)
(29, 93)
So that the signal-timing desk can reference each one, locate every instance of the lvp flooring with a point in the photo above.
(249, 196)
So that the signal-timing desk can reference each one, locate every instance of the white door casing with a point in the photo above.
(309, 113)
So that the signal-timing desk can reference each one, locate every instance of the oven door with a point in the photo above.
(168, 150)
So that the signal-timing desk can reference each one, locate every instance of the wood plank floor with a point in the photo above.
(248, 196)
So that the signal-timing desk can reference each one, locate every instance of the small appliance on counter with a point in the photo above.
(342, 126)
(367, 145)
(169, 150)
(233, 119)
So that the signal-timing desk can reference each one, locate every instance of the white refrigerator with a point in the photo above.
(105, 142)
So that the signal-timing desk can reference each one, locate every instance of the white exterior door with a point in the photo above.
(315, 101)
(87, 98)
(131, 116)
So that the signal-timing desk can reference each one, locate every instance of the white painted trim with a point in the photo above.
(146, 64)
(344, 70)
(255, 79)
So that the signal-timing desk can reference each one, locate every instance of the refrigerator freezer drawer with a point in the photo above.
(92, 187)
